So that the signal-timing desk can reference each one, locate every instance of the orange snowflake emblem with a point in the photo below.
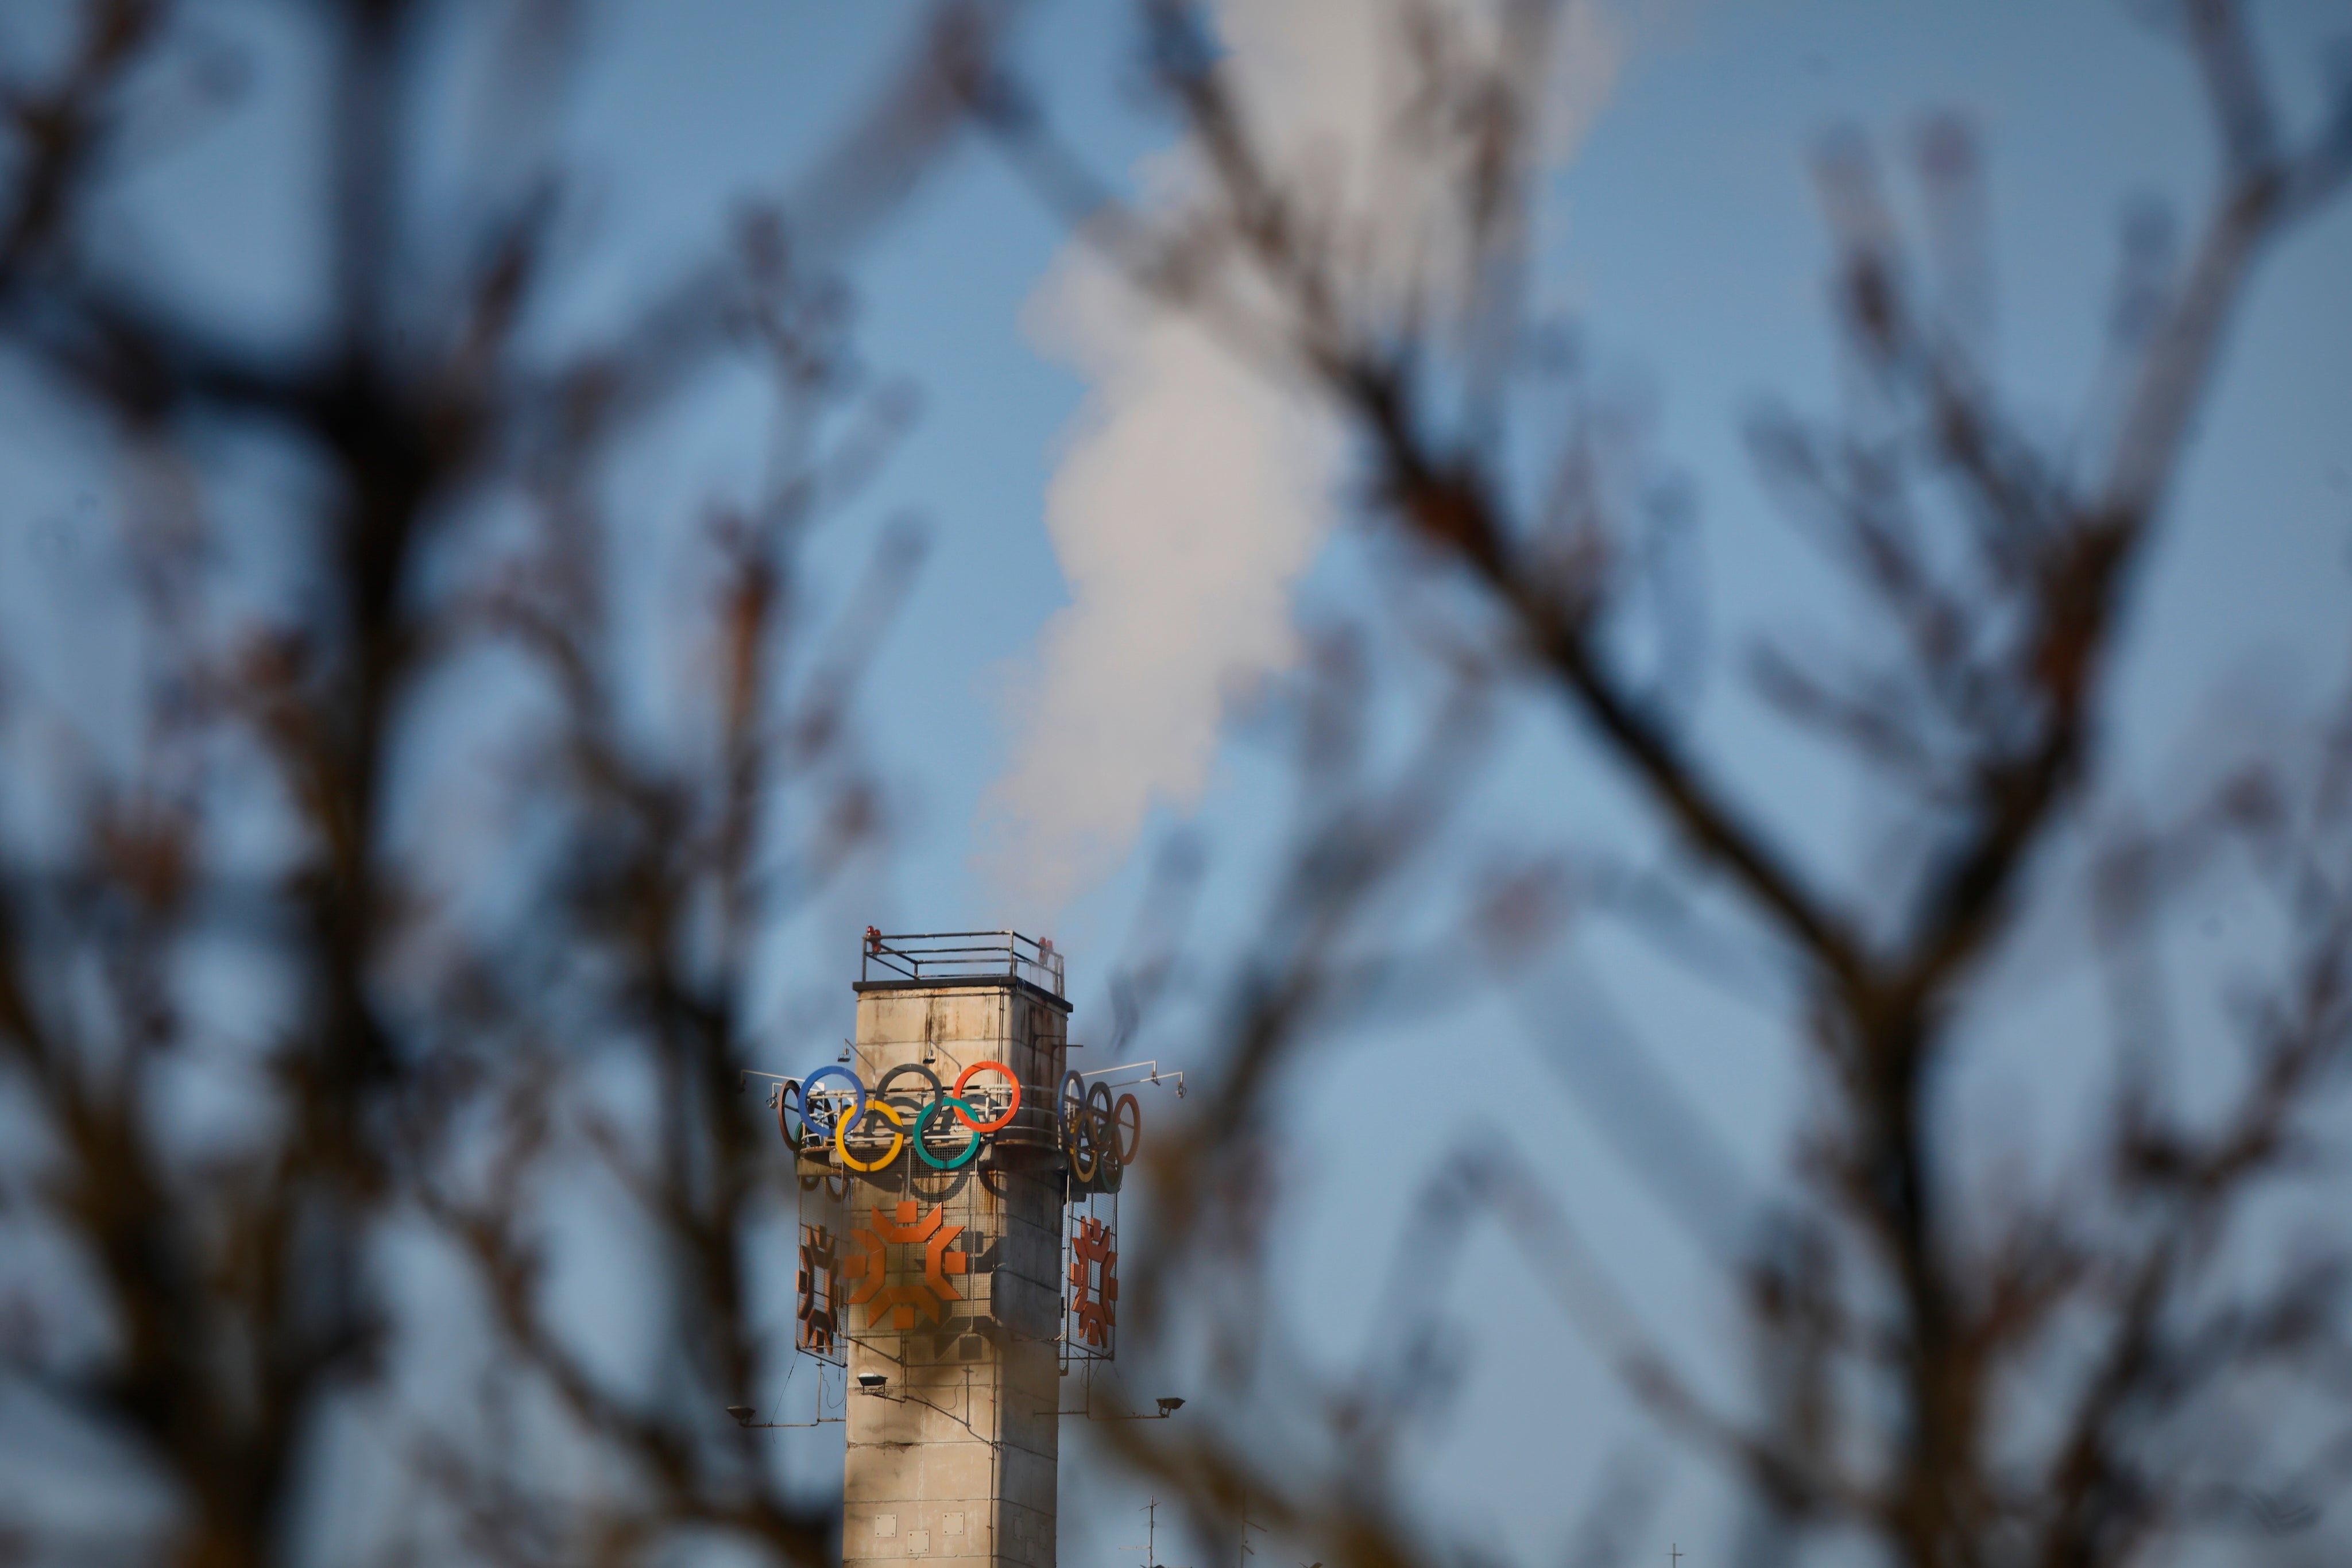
(1094, 1282)
(868, 1271)
(819, 1320)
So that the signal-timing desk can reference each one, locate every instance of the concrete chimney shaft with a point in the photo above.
(952, 1452)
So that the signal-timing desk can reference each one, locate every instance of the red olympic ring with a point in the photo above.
(965, 1077)
(786, 1093)
(1122, 1123)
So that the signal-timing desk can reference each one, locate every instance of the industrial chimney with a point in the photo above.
(938, 1162)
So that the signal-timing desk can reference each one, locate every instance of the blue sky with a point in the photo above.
(1692, 252)
(1697, 267)
(1692, 258)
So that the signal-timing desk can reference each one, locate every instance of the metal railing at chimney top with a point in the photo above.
(960, 955)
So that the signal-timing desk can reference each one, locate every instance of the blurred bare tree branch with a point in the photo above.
(444, 1008)
(1963, 1379)
(398, 923)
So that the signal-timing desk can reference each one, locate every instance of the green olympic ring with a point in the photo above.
(922, 1125)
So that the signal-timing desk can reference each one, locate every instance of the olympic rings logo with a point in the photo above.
(834, 1116)
(1100, 1137)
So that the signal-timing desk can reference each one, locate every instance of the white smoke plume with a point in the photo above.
(1194, 490)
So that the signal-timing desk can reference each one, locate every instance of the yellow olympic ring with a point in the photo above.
(1084, 1149)
(841, 1136)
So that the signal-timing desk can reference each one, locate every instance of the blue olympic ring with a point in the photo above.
(808, 1102)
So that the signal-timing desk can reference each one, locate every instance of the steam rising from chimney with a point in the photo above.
(1195, 489)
